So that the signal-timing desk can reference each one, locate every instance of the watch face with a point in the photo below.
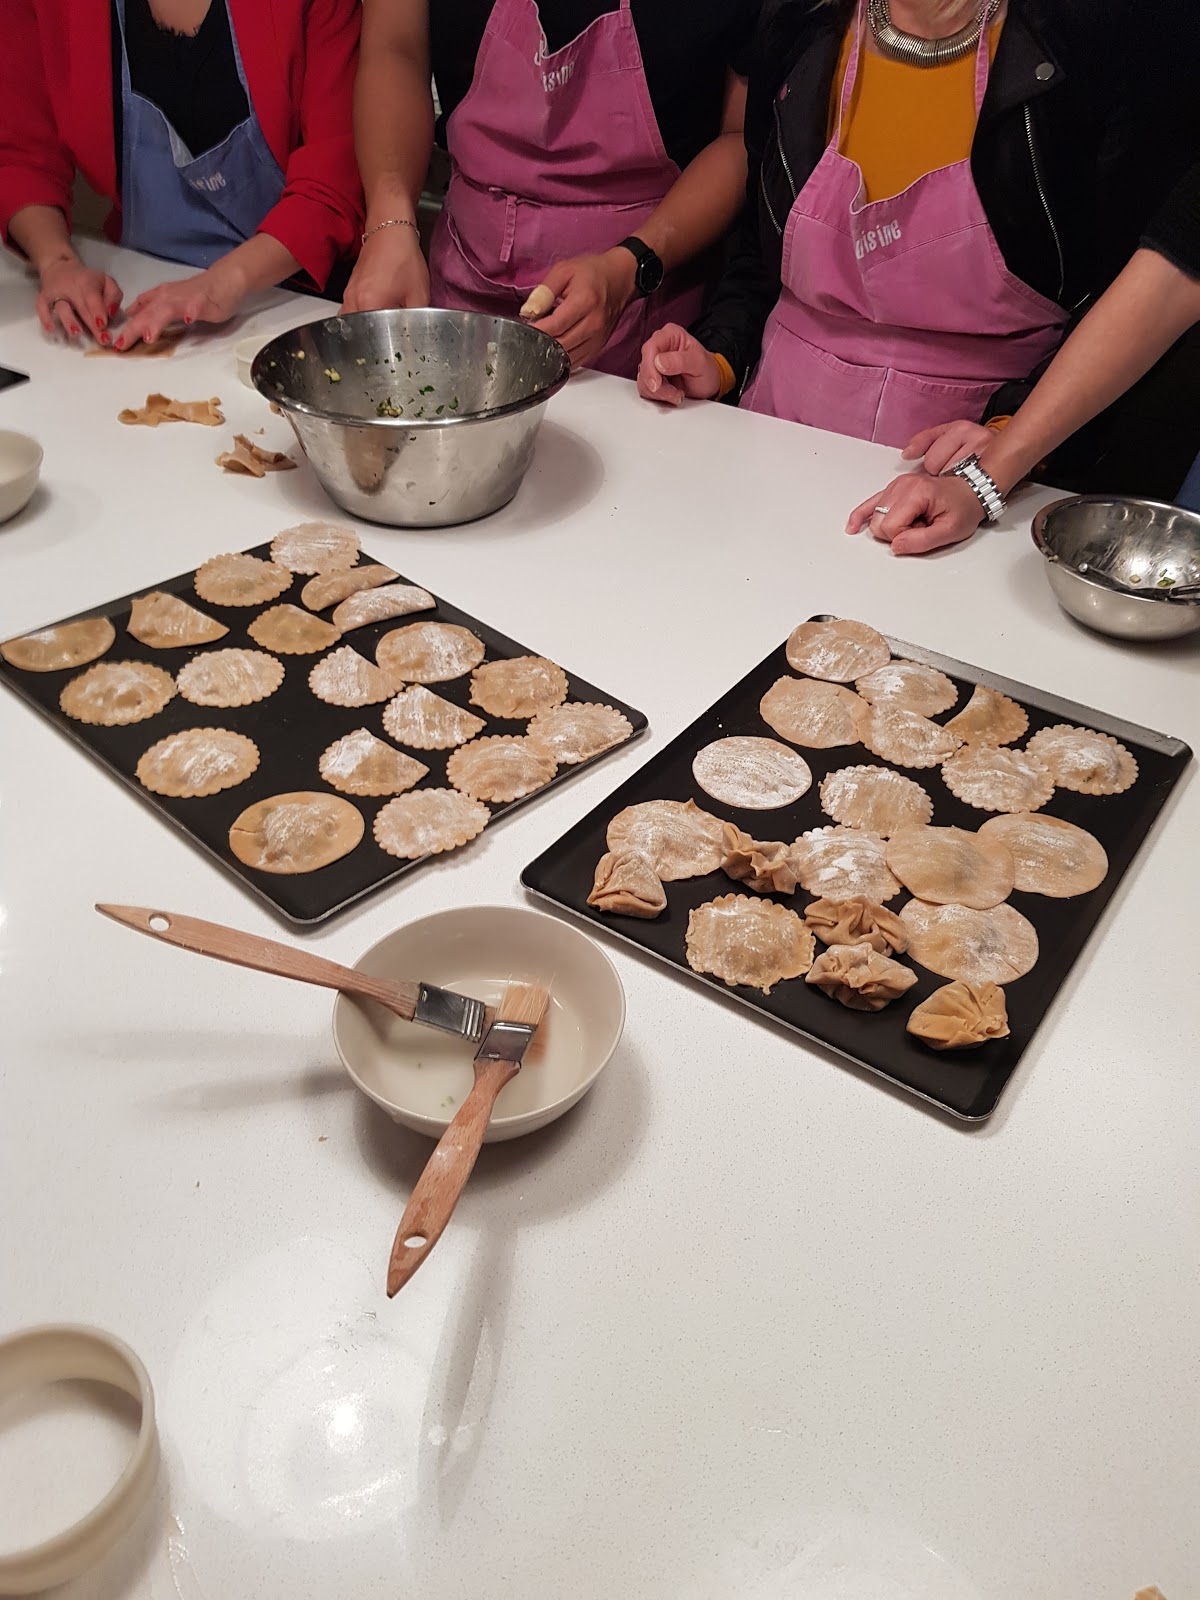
(649, 273)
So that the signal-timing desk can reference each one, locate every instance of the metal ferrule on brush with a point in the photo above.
(451, 1013)
(506, 1041)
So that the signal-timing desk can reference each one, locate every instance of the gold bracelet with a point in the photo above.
(392, 222)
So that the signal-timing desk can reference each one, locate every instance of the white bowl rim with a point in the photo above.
(38, 456)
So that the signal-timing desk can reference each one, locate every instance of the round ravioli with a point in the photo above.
(344, 678)
(316, 547)
(908, 686)
(69, 644)
(165, 622)
(875, 799)
(292, 632)
(424, 721)
(381, 605)
(295, 833)
(329, 588)
(578, 730)
(844, 864)
(115, 693)
(906, 738)
(1050, 856)
(755, 943)
(992, 778)
(429, 652)
(997, 945)
(819, 716)
(519, 687)
(500, 769)
(240, 580)
(230, 678)
(674, 836)
(840, 651)
(428, 823)
(952, 866)
(197, 762)
(754, 774)
(359, 763)
(1080, 759)
(989, 717)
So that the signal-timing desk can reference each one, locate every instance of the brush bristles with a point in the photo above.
(524, 1003)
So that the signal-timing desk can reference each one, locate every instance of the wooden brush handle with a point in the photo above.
(264, 955)
(446, 1172)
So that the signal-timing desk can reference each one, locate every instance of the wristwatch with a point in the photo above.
(986, 490)
(649, 272)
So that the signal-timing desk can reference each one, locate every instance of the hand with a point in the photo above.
(675, 366)
(922, 514)
(74, 297)
(390, 273)
(948, 444)
(210, 296)
(592, 292)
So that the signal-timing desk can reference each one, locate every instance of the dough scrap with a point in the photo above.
(768, 868)
(240, 580)
(628, 886)
(857, 921)
(998, 945)
(328, 588)
(68, 644)
(1051, 857)
(315, 547)
(115, 693)
(961, 1016)
(752, 774)
(424, 721)
(164, 622)
(909, 686)
(298, 832)
(161, 408)
(429, 652)
(252, 460)
(989, 717)
(379, 605)
(875, 799)
(499, 768)
(230, 678)
(344, 678)
(993, 778)
(359, 763)
(819, 716)
(196, 762)
(752, 942)
(578, 730)
(675, 836)
(839, 651)
(951, 866)
(291, 631)
(906, 738)
(859, 977)
(428, 823)
(843, 864)
(519, 687)
(1083, 760)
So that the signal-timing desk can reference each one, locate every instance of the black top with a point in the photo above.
(192, 79)
(686, 47)
(1175, 231)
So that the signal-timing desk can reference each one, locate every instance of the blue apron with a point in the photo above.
(183, 207)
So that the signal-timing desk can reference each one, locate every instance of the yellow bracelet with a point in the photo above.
(997, 424)
(727, 375)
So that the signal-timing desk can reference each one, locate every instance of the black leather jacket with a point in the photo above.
(1089, 120)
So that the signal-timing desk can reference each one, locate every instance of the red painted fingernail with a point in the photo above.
(99, 322)
(106, 338)
(187, 320)
(120, 344)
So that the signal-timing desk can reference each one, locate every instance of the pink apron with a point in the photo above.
(896, 314)
(554, 156)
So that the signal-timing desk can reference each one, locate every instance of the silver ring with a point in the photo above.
(881, 511)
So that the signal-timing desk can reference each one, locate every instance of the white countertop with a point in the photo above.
(745, 1326)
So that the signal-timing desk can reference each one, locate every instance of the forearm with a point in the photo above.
(393, 128)
(260, 263)
(1141, 316)
(41, 232)
(701, 205)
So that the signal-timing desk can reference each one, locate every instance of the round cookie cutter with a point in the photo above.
(58, 1353)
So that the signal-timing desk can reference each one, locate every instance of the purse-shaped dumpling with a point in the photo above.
(765, 867)
(859, 977)
(628, 885)
(960, 1016)
(858, 921)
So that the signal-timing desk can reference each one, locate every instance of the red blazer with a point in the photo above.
(299, 56)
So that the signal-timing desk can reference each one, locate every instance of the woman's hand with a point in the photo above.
(390, 273)
(74, 297)
(210, 296)
(676, 366)
(948, 444)
(917, 513)
(592, 292)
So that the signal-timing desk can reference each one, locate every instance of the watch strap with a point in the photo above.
(984, 486)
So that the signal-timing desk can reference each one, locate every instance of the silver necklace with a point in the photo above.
(918, 52)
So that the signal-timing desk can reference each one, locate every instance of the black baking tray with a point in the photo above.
(291, 729)
(968, 1084)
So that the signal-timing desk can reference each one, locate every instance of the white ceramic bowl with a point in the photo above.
(420, 1077)
(244, 352)
(20, 464)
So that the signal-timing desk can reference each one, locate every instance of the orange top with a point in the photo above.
(903, 120)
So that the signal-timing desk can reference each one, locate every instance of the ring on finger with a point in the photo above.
(881, 511)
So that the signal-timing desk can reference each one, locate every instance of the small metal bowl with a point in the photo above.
(1112, 562)
(417, 419)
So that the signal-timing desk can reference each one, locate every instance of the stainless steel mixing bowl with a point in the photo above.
(418, 419)
(1112, 562)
